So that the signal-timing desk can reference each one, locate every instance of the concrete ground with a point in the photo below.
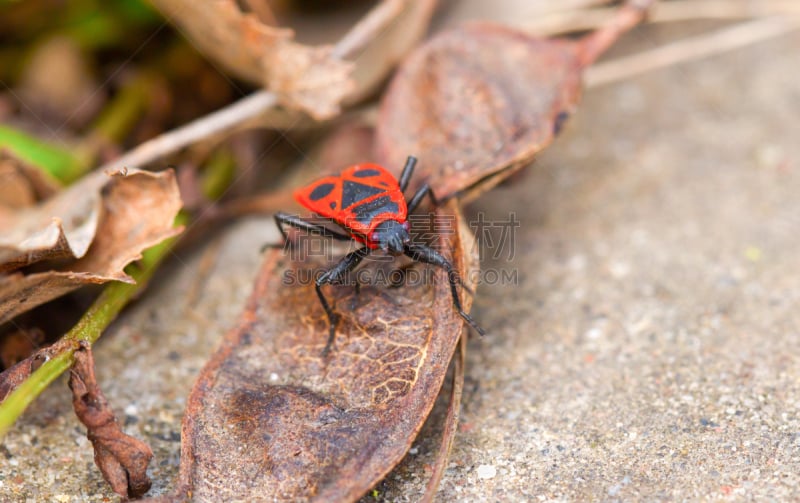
(647, 351)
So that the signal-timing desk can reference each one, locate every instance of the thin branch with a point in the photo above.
(597, 42)
(249, 107)
(209, 125)
(367, 28)
(663, 12)
(683, 10)
(690, 49)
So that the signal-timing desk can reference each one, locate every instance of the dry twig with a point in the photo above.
(567, 21)
(690, 49)
(249, 107)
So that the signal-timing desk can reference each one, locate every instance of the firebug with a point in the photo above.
(368, 203)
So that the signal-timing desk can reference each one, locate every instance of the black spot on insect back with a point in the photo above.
(366, 173)
(353, 192)
(321, 191)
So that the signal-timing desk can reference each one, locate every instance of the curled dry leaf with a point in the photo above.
(450, 424)
(477, 102)
(121, 458)
(271, 418)
(119, 216)
(21, 185)
(306, 78)
(313, 79)
(15, 188)
(61, 227)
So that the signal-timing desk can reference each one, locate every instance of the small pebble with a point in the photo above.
(593, 333)
(486, 472)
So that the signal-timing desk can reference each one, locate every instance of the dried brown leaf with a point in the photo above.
(271, 418)
(313, 79)
(61, 227)
(16, 189)
(450, 424)
(119, 215)
(305, 78)
(477, 102)
(121, 458)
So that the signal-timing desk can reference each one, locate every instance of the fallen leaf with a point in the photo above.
(476, 103)
(119, 216)
(16, 190)
(307, 78)
(121, 458)
(271, 418)
(451, 422)
(313, 79)
(60, 227)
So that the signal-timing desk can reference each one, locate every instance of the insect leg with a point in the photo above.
(282, 219)
(428, 255)
(350, 261)
(423, 191)
(408, 171)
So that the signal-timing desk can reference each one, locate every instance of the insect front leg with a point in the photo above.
(428, 255)
(350, 261)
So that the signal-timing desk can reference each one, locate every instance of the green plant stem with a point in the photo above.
(218, 174)
(89, 328)
(65, 166)
(58, 163)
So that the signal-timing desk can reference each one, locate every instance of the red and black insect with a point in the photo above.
(368, 203)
